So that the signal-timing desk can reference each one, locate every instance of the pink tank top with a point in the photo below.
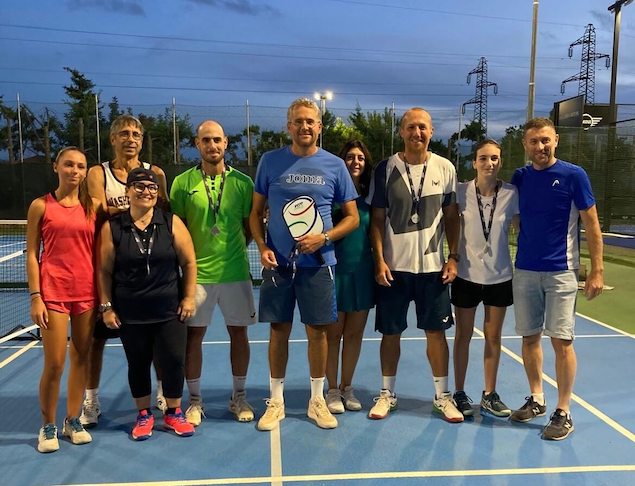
(66, 263)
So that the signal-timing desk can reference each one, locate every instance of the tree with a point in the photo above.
(80, 121)
(513, 153)
(158, 146)
(261, 141)
(335, 133)
(473, 132)
(378, 131)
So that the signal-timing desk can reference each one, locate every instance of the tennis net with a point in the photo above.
(14, 294)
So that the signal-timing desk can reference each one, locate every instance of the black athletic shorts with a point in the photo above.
(466, 294)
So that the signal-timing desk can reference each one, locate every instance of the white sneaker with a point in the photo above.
(446, 407)
(162, 404)
(91, 410)
(334, 401)
(319, 412)
(239, 406)
(384, 404)
(350, 400)
(74, 430)
(47, 440)
(273, 415)
(195, 412)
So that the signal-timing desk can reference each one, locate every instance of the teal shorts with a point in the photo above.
(355, 290)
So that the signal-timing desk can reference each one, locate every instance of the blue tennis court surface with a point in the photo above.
(410, 447)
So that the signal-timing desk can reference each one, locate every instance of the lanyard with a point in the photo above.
(146, 252)
(416, 198)
(215, 207)
(486, 229)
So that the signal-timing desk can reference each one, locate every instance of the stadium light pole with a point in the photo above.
(322, 98)
(616, 9)
(532, 63)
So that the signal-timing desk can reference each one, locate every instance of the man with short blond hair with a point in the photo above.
(300, 269)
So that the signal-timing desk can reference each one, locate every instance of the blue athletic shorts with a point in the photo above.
(312, 288)
(431, 297)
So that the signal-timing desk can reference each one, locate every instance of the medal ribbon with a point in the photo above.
(146, 252)
(415, 198)
(215, 207)
(486, 229)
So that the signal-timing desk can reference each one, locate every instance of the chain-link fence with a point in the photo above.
(254, 129)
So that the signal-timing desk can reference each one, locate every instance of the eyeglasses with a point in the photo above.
(139, 187)
(124, 134)
(299, 122)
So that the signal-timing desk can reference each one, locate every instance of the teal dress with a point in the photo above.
(355, 272)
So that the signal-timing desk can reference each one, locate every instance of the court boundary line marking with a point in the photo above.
(414, 338)
(574, 397)
(608, 326)
(18, 353)
(276, 457)
(381, 475)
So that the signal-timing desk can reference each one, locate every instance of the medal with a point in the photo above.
(414, 218)
(215, 231)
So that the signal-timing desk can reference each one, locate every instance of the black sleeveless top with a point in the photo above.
(145, 289)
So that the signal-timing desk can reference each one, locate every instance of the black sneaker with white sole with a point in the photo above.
(463, 403)
(559, 427)
(529, 411)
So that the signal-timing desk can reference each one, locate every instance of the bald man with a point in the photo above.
(214, 200)
(413, 199)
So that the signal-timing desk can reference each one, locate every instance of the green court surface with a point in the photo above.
(614, 307)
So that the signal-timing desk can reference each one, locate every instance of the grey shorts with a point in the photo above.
(545, 301)
(235, 299)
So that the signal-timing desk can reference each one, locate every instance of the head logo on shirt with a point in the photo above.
(556, 182)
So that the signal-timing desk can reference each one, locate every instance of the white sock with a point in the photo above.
(159, 388)
(194, 387)
(317, 387)
(276, 385)
(440, 385)
(539, 398)
(388, 383)
(92, 394)
(239, 383)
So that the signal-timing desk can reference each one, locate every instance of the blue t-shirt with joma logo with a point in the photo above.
(282, 177)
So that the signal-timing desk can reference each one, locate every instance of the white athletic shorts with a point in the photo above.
(235, 299)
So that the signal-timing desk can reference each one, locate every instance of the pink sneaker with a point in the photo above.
(177, 422)
(143, 428)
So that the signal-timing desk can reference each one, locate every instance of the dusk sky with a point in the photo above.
(214, 55)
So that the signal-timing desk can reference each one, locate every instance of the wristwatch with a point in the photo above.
(454, 256)
(104, 307)
(327, 240)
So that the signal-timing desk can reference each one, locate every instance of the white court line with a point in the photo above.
(12, 255)
(579, 400)
(276, 457)
(604, 324)
(18, 353)
(384, 475)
